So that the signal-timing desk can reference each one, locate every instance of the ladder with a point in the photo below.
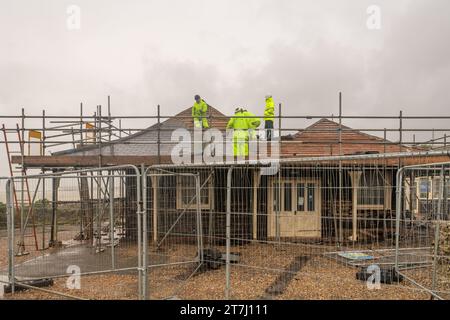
(21, 190)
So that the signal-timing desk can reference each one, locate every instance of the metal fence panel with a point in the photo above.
(324, 229)
(80, 231)
(423, 227)
(173, 232)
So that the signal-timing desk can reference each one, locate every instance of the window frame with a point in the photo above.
(387, 188)
(294, 195)
(430, 195)
(180, 205)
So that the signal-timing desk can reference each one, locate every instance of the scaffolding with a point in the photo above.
(74, 131)
(58, 132)
(224, 214)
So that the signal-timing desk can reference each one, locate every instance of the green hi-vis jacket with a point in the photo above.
(199, 113)
(269, 111)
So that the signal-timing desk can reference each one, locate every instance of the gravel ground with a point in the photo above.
(66, 233)
(99, 287)
(260, 266)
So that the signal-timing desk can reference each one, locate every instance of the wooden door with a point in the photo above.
(295, 210)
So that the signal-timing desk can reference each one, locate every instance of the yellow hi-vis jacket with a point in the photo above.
(240, 126)
(253, 123)
(269, 111)
(199, 113)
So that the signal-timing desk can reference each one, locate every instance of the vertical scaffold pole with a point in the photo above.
(341, 231)
(10, 222)
(145, 283)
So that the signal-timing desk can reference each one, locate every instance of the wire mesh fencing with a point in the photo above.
(75, 232)
(174, 242)
(3, 235)
(329, 228)
(296, 229)
(423, 227)
(322, 229)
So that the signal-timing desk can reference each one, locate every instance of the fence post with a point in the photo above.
(155, 187)
(398, 208)
(437, 229)
(10, 227)
(228, 234)
(111, 217)
(341, 226)
(22, 187)
(145, 234)
(400, 133)
(139, 232)
(279, 184)
(199, 219)
(159, 134)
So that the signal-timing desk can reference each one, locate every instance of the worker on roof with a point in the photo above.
(240, 125)
(269, 114)
(199, 113)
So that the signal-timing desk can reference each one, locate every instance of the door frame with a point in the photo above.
(271, 221)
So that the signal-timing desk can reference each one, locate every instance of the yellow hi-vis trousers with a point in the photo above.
(201, 123)
(240, 143)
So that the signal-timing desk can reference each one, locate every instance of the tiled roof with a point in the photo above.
(322, 139)
(143, 143)
(319, 139)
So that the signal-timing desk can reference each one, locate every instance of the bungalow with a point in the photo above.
(312, 197)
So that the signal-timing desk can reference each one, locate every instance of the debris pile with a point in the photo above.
(38, 283)
(213, 259)
(387, 275)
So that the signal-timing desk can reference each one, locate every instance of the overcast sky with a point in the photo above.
(233, 52)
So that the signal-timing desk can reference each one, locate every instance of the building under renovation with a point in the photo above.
(335, 193)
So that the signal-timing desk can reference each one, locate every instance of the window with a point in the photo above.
(276, 197)
(430, 188)
(287, 196)
(311, 197)
(371, 191)
(296, 196)
(300, 197)
(424, 188)
(447, 188)
(436, 188)
(413, 195)
(186, 191)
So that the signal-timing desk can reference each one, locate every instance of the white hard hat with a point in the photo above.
(268, 96)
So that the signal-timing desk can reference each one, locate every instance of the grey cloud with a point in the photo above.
(304, 53)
